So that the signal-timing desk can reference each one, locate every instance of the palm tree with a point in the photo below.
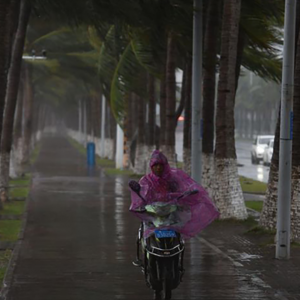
(295, 204)
(17, 135)
(28, 110)
(209, 84)
(269, 212)
(162, 108)
(151, 114)
(170, 101)
(3, 58)
(187, 117)
(227, 191)
(141, 148)
(170, 22)
(11, 96)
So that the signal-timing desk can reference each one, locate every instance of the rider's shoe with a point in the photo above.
(168, 296)
(137, 263)
(157, 295)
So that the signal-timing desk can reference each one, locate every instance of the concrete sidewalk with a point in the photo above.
(79, 241)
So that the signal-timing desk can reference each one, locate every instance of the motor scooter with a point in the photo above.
(163, 250)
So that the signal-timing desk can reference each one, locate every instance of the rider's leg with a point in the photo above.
(138, 261)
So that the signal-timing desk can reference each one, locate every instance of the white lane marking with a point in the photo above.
(255, 280)
(219, 251)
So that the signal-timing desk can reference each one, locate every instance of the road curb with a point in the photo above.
(254, 197)
(8, 277)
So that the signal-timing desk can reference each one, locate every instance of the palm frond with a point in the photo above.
(128, 77)
(262, 63)
(145, 55)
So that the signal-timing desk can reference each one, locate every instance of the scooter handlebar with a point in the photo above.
(188, 193)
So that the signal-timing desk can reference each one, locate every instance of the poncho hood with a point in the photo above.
(158, 157)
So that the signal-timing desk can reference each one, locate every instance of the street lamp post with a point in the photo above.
(286, 134)
(102, 144)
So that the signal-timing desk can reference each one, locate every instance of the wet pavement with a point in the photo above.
(79, 242)
(243, 146)
(245, 167)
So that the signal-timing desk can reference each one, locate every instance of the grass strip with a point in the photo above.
(252, 186)
(4, 260)
(113, 171)
(261, 231)
(250, 221)
(9, 230)
(103, 162)
(13, 208)
(107, 164)
(256, 205)
(20, 181)
(77, 145)
(18, 192)
(35, 153)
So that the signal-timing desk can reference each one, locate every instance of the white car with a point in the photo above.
(267, 156)
(258, 147)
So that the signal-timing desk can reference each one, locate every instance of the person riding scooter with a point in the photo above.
(166, 185)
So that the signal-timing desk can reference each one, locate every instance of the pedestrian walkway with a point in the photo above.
(79, 242)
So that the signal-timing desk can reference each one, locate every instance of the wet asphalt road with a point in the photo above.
(79, 241)
(243, 147)
(245, 167)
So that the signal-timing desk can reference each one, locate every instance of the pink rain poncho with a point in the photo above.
(196, 211)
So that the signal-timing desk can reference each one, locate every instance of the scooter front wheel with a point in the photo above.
(167, 291)
(167, 281)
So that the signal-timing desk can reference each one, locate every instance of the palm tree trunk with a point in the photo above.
(41, 119)
(3, 62)
(268, 215)
(127, 132)
(140, 164)
(89, 116)
(187, 118)
(151, 114)
(17, 137)
(240, 51)
(11, 27)
(96, 104)
(132, 125)
(35, 123)
(12, 95)
(81, 121)
(252, 124)
(163, 98)
(227, 191)
(28, 110)
(209, 86)
(181, 105)
(170, 103)
(295, 204)
(112, 134)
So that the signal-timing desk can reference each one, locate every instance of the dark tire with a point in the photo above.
(154, 274)
(167, 280)
(254, 160)
(167, 291)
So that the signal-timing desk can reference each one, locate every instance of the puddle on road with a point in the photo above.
(243, 256)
